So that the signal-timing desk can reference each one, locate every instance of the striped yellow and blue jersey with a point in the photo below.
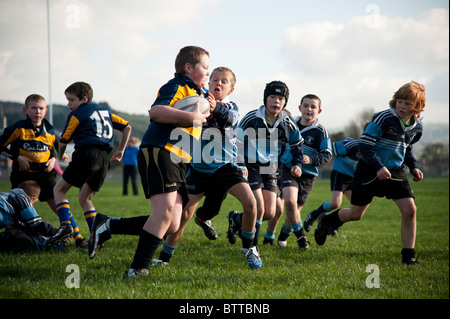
(35, 143)
(262, 143)
(346, 156)
(387, 142)
(91, 125)
(177, 140)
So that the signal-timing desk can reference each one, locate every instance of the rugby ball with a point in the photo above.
(188, 104)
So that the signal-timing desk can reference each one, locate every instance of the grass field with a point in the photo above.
(203, 269)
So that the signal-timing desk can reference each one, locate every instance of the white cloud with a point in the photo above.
(395, 44)
(104, 43)
(355, 65)
(126, 51)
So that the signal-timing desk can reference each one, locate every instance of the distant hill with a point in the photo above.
(12, 111)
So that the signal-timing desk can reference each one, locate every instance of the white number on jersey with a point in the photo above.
(103, 124)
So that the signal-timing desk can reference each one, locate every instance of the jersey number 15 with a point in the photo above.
(103, 124)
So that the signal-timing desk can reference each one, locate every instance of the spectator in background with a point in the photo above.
(130, 170)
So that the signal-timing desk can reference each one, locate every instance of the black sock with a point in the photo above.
(299, 233)
(257, 228)
(284, 233)
(315, 213)
(164, 256)
(331, 220)
(145, 250)
(408, 253)
(127, 226)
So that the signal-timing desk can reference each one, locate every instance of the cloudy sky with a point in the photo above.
(354, 54)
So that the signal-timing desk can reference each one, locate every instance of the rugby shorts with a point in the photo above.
(304, 184)
(257, 180)
(340, 182)
(45, 180)
(89, 165)
(367, 185)
(159, 174)
(222, 179)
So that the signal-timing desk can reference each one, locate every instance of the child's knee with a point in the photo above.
(409, 212)
(335, 204)
(250, 205)
(356, 215)
(82, 200)
(290, 205)
(269, 214)
(173, 227)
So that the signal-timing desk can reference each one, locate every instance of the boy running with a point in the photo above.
(317, 151)
(263, 135)
(161, 164)
(386, 147)
(91, 127)
(215, 173)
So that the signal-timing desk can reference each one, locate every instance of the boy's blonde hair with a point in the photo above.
(225, 70)
(189, 54)
(33, 98)
(414, 92)
(133, 140)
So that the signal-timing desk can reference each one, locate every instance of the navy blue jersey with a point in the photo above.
(387, 142)
(317, 145)
(16, 210)
(35, 143)
(263, 144)
(218, 141)
(91, 125)
(346, 156)
(177, 140)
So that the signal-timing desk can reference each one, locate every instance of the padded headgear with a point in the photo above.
(276, 88)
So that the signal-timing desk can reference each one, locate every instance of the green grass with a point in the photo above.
(203, 269)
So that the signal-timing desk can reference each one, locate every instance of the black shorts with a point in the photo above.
(159, 174)
(45, 180)
(88, 165)
(257, 180)
(279, 191)
(304, 183)
(340, 182)
(367, 185)
(221, 180)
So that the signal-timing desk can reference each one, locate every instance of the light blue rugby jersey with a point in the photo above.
(258, 143)
(317, 145)
(16, 207)
(387, 142)
(346, 156)
(218, 140)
